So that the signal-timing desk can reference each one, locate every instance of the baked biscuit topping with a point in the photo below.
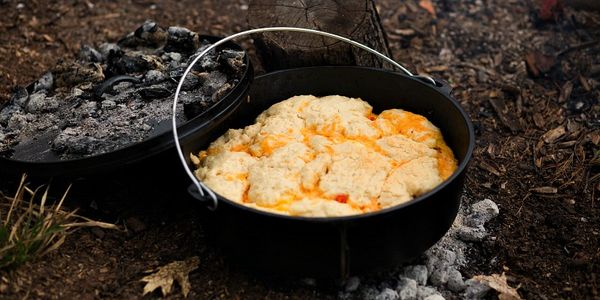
(325, 157)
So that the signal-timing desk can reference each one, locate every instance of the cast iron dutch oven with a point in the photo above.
(134, 159)
(336, 247)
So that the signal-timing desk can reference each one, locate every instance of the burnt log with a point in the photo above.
(355, 19)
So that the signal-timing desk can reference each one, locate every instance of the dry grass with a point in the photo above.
(30, 226)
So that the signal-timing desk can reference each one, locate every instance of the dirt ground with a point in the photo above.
(531, 87)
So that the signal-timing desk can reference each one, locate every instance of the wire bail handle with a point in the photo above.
(198, 189)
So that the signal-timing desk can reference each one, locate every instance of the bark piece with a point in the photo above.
(355, 19)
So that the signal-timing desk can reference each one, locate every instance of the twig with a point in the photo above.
(476, 67)
(577, 47)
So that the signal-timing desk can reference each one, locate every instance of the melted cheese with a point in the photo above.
(327, 156)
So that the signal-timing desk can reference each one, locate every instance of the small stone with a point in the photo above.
(108, 104)
(475, 290)
(424, 291)
(407, 288)
(387, 294)
(352, 284)
(146, 127)
(88, 54)
(418, 273)
(45, 83)
(135, 224)
(455, 281)
(482, 212)
(154, 77)
(434, 297)
(472, 234)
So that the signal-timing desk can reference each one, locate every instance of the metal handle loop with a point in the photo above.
(202, 188)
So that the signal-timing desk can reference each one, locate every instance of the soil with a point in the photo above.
(530, 84)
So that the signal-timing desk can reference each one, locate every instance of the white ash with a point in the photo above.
(436, 275)
(115, 95)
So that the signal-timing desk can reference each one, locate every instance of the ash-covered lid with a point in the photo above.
(115, 94)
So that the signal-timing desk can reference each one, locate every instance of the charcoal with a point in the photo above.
(74, 73)
(121, 64)
(45, 83)
(71, 141)
(150, 34)
(208, 62)
(455, 280)
(107, 48)
(108, 104)
(9, 111)
(221, 92)
(172, 56)
(154, 92)
(20, 97)
(387, 294)
(193, 80)
(482, 212)
(181, 40)
(434, 297)
(407, 289)
(417, 273)
(475, 290)
(233, 59)
(425, 291)
(38, 102)
(19, 121)
(352, 284)
(154, 77)
(88, 54)
(213, 82)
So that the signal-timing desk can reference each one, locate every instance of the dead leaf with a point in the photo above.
(565, 92)
(428, 6)
(539, 63)
(166, 275)
(498, 283)
(553, 134)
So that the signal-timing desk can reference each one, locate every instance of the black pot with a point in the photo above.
(333, 247)
(138, 158)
